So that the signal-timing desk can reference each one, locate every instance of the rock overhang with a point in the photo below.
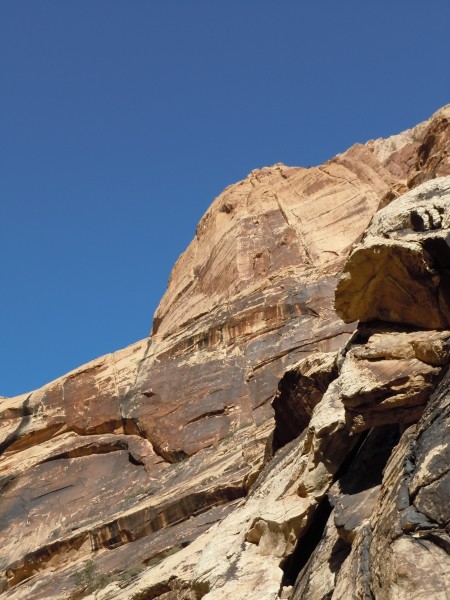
(400, 271)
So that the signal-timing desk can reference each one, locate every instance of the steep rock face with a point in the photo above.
(326, 506)
(388, 375)
(403, 550)
(127, 477)
(393, 520)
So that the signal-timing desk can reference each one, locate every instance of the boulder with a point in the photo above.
(400, 272)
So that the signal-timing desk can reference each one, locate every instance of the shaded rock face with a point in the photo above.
(299, 391)
(256, 445)
(403, 549)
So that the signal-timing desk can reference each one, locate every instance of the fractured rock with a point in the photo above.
(401, 271)
(389, 376)
(406, 546)
(300, 389)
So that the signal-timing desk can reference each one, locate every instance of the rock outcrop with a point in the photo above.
(257, 445)
(405, 243)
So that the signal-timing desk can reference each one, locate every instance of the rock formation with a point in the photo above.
(264, 441)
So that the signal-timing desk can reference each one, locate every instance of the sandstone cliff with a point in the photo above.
(260, 444)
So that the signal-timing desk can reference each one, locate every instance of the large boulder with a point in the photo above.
(400, 272)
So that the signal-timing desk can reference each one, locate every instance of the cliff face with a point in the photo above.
(260, 444)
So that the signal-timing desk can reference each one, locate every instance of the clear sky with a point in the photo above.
(121, 120)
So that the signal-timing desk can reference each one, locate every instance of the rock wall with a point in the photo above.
(257, 445)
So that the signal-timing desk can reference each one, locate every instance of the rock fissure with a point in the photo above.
(306, 545)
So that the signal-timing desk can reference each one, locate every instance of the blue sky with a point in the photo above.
(120, 122)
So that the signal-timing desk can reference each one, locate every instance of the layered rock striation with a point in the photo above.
(260, 443)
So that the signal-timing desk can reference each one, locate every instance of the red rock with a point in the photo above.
(165, 436)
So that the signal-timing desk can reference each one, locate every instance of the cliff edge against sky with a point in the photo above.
(268, 440)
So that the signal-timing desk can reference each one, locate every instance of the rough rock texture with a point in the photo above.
(405, 545)
(388, 377)
(239, 451)
(401, 272)
(394, 520)
(300, 390)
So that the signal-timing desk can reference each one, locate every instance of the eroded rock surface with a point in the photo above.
(403, 551)
(389, 378)
(394, 518)
(183, 468)
(300, 390)
(401, 272)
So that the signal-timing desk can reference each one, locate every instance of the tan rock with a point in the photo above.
(400, 272)
(404, 552)
(241, 556)
(382, 381)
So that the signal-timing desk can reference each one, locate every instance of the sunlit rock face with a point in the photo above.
(401, 271)
(390, 504)
(245, 449)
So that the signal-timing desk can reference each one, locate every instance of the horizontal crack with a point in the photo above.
(211, 413)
